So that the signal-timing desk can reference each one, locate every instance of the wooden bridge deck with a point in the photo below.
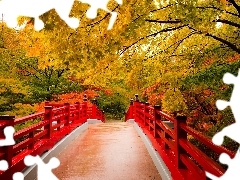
(107, 151)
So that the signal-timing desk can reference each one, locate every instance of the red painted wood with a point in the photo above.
(184, 160)
(179, 134)
(94, 111)
(156, 118)
(57, 121)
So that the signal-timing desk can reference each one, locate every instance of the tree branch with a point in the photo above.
(108, 14)
(162, 21)
(154, 34)
(180, 41)
(229, 44)
(31, 66)
(228, 22)
(172, 55)
(235, 5)
(60, 72)
(178, 44)
(31, 74)
(153, 11)
(212, 7)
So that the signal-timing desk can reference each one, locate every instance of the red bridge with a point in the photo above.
(90, 149)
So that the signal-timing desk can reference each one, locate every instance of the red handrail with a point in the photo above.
(54, 123)
(169, 136)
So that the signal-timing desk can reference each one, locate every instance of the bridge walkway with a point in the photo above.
(107, 151)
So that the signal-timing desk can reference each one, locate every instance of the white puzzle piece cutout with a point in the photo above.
(232, 131)
(44, 171)
(8, 141)
(232, 172)
(12, 9)
(18, 176)
(8, 133)
(35, 8)
(100, 4)
(3, 165)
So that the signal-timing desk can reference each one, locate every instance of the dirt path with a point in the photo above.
(108, 151)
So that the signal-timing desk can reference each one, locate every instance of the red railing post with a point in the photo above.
(67, 113)
(146, 111)
(78, 114)
(131, 110)
(179, 134)
(47, 103)
(48, 116)
(135, 105)
(94, 109)
(157, 118)
(8, 150)
(84, 109)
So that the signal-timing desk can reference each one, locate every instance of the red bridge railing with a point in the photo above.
(52, 125)
(94, 112)
(169, 136)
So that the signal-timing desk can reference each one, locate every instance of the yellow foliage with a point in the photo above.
(173, 101)
(20, 110)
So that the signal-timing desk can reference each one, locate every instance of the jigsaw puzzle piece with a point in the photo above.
(101, 4)
(8, 133)
(229, 78)
(112, 20)
(221, 104)
(218, 138)
(38, 24)
(53, 163)
(63, 8)
(3, 165)
(8, 141)
(30, 160)
(232, 172)
(231, 131)
(211, 176)
(119, 2)
(36, 8)
(224, 159)
(44, 170)
(91, 13)
(18, 176)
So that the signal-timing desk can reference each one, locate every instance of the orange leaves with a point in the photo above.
(69, 98)
(152, 95)
(90, 94)
(151, 88)
(233, 58)
(206, 126)
(108, 92)
(208, 62)
(76, 97)
(155, 98)
(224, 1)
(40, 107)
(207, 92)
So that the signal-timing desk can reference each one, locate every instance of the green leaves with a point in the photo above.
(211, 77)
